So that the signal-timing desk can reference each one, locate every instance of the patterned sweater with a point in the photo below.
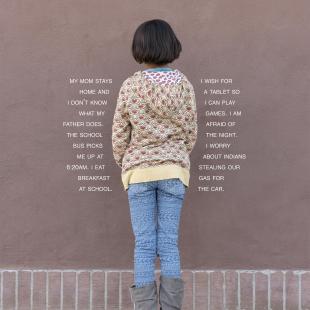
(154, 127)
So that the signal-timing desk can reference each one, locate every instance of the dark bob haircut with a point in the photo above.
(154, 42)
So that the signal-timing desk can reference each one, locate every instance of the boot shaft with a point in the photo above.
(145, 297)
(171, 293)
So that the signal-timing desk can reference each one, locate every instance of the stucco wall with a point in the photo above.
(260, 220)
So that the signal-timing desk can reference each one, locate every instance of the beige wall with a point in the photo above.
(260, 220)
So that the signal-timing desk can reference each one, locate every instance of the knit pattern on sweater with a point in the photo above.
(154, 124)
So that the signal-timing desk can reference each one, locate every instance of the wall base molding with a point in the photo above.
(227, 289)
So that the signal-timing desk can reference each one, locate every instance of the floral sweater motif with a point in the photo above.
(154, 124)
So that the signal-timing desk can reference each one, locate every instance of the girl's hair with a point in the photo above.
(155, 42)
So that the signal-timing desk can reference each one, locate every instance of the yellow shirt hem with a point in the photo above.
(161, 172)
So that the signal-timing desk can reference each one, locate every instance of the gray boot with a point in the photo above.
(145, 297)
(171, 293)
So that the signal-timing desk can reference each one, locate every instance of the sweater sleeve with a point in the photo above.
(191, 127)
(121, 127)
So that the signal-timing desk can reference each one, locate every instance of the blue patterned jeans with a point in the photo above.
(155, 209)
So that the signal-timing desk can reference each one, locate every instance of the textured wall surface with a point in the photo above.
(262, 218)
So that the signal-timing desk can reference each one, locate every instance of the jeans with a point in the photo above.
(155, 209)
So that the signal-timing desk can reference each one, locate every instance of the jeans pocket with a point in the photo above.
(176, 186)
(136, 188)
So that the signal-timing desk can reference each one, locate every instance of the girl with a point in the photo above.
(153, 133)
